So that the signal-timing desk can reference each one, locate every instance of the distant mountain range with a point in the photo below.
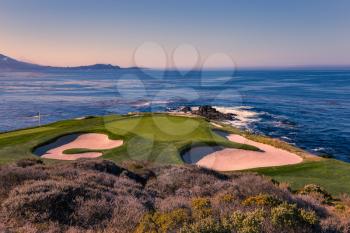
(10, 64)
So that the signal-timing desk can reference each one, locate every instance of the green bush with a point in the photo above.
(309, 217)
(163, 222)
(318, 192)
(201, 208)
(147, 224)
(289, 215)
(249, 222)
(261, 200)
(227, 198)
(340, 207)
(205, 225)
(285, 215)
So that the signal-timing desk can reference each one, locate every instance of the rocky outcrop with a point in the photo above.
(186, 109)
(213, 114)
(208, 112)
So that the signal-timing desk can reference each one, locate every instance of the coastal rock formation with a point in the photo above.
(186, 109)
(210, 113)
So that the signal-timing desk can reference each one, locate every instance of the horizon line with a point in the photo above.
(218, 68)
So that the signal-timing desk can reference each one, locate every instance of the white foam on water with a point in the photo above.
(149, 103)
(286, 138)
(318, 149)
(244, 116)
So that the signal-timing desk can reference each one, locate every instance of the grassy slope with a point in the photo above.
(332, 174)
(159, 138)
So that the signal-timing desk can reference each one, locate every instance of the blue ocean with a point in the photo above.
(307, 108)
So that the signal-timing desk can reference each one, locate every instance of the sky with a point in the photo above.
(182, 33)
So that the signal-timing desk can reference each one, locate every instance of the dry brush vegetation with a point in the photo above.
(100, 196)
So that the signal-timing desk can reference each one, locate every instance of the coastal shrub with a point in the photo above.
(343, 205)
(308, 217)
(106, 166)
(332, 225)
(345, 198)
(289, 216)
(92, 212)
(42, 201)
(205, 225)
(12, 176)
(172, 202)
(309, 202)
(317, 192)
(224, 202)
(29, 162)
(85, 199)
(227, 198)
(261, 200)
(285, 215)
(201, 208)
(248, 222)
(340, 207)
(101, 196)
(244, 187)
(172, 220)
(163, 222)
(186, 181)
(284, 186)
(127, 214)
(147, 224)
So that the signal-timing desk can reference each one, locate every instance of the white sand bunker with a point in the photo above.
(235, 159)
(91, 141)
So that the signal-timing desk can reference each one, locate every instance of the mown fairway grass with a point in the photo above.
(160, 138)
(153, 137)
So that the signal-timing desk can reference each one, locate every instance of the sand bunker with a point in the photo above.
(228, 159)
(92, 141)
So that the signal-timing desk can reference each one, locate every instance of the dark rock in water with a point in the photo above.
(185, 109)
(213, 114)
(208, 112)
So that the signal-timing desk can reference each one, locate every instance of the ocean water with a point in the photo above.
(310, 108)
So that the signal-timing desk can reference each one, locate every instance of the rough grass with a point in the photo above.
(100, 196)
